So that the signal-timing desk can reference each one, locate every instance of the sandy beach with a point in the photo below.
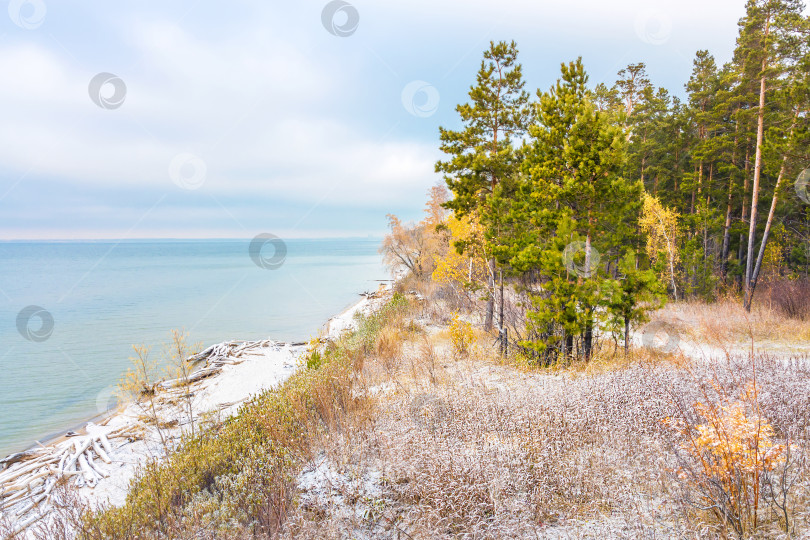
(100, 459)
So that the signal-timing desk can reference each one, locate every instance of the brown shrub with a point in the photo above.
(790, 297)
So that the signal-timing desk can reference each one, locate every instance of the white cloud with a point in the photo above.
(255, 109)
(281, 110)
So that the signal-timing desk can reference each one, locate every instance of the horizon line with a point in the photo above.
(170, 238)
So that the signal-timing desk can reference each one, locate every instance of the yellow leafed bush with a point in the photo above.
(731, 455)
(461, 335)
(736, 442)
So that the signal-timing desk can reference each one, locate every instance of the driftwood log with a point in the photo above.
(215, 357)
(226, 351)
(26, 484)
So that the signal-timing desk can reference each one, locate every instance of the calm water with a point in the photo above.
(106, 297)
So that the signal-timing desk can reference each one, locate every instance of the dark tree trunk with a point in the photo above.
(727, 224)
(569, 346)
(626, 336)
(587, 341)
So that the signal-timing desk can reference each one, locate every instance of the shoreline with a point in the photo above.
(99, 456)
(57, 435)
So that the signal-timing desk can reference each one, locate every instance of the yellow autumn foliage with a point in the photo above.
(454, 268)
(736, 443)
(660, 225)
(461, 335)
(732, 451)
(773, 258)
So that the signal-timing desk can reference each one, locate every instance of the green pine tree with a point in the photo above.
(482, 154)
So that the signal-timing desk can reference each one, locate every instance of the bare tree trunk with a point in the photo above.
(769, 222)
(726, 236)
(765, 234)
(569, 346)
(501, 327)
(643, 160)
(491, 300)
(588, 256)
(752, 229)
(588, 336)
(677, 169)
(705, 217)
(587, 341)
(744, 213)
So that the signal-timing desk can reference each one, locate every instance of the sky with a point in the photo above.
(193, 119)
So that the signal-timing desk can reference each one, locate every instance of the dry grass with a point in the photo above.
(489, 452)
(432, 444)
(791, 297)
(725, 323)
(472, 447)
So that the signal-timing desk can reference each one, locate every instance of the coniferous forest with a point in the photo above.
(585, 207)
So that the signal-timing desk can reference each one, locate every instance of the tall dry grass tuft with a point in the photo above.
(388, 349)
(726, 324)
(789, 297)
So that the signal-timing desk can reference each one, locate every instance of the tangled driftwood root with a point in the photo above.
(215, 357)
(227, 351)
(27, 483)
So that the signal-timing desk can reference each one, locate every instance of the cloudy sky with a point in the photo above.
(194, 119)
